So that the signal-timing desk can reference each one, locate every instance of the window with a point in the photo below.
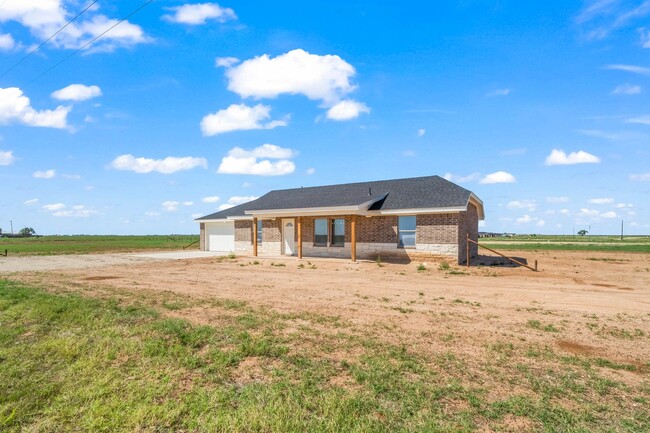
(338, 232)
(320, 232)
(259, 231)
(406, 228)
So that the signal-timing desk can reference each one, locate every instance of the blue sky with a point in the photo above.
(540, 108)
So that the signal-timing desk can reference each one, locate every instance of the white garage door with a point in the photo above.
(220, 236)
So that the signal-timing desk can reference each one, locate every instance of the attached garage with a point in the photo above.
(220, 236)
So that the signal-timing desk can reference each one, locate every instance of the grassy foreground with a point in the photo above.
(94, 244)
(73, 363)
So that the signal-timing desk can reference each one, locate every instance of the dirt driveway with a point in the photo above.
(587, 303)
(84, 261)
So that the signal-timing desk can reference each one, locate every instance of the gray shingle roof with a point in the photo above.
(411, 193)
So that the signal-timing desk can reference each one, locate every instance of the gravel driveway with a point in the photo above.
(83, 261)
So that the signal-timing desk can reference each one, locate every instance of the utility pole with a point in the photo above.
(11, 223)
(621, 229)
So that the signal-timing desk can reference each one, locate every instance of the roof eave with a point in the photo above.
(313, 211)
(473, 198)
(417, 211)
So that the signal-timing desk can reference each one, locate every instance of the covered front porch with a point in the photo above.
(334, 236)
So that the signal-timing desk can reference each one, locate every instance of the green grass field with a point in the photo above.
(94, 244)
(638, 244)
(72, 363)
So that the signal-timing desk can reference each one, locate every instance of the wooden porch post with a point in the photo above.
(299, 237)
(254, 237)
(353, 240)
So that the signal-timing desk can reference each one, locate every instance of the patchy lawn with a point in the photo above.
(94, 352)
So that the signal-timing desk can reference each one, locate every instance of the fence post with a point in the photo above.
(467, 250)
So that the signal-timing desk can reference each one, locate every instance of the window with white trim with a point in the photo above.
(406, 226)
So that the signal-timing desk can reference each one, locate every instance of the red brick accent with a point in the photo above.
(468, 224)
(437, 229)
(271, 230)
(382, 229)
(244, 231)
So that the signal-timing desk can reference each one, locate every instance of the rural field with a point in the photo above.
(243, 344)
(50, 245)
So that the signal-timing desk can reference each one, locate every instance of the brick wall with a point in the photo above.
(202, 236)
(437, 229)
(271, 230)
(244, 231)
(381, 229)
(468, 224)
(436, 235)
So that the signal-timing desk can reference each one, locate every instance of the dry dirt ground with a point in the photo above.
(588, 304)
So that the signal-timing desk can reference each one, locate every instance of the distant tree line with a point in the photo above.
(22, 233)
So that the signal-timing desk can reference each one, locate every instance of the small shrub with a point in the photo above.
(378, 260)
(535, 324)
(231, 256)
(421, 267)
(444, 266)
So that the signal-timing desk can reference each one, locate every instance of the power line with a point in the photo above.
(91, 41)
(48, 39)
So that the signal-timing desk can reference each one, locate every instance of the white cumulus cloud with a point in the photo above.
(77, 211)
(498, 177)
(47, 174)
(626, 89)
(77, 92)
(522, 204)
(326, 78)
(225, 62)
(6, 42)
(212, 199)
(461, 179)
(199, 13)
(172, 205)
(30, 202)
(7, 157)
(237, 200)
(54, 206)
(45, 17)
(559, 157)
(421, 132)
(167, 165)
(15, 107)
(240, 161)
(347, 110)
(239, 117)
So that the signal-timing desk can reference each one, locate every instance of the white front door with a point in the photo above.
(288, 237)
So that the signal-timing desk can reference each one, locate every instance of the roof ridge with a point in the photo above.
(362, 182)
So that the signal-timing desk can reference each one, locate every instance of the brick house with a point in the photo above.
(401, 218)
